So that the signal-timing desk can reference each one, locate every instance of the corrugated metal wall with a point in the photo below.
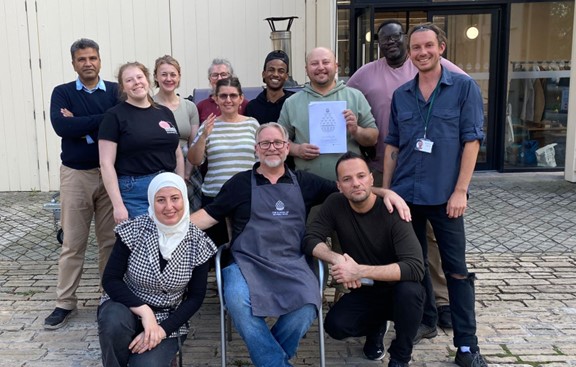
(36, 37)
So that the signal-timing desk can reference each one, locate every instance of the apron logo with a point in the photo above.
(280, 212)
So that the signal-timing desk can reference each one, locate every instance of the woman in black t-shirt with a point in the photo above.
(137, 140)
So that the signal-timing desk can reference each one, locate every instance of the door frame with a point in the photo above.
(498, 73)
(494, 135)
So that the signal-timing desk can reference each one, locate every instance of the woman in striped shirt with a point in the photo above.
(227, 142)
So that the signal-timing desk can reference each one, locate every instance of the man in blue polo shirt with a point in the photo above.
(76, 110)
(435, 133)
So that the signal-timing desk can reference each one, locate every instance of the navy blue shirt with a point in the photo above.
(78, 151)
(263, 110)
(457, 117)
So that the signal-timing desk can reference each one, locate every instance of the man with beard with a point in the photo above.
(267, 105)
(436, 126)
(378, 80)
(361, 130)
(379, 246)
(268, 274)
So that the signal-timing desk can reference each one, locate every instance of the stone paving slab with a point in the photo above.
(521, 238)
(525, 331)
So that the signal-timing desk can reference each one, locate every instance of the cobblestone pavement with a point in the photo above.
(521, 233)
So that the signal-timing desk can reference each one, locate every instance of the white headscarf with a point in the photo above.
(169, 237)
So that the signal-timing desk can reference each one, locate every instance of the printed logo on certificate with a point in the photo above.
(327, 126)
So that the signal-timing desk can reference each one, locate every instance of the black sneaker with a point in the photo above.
(374, 345)
(58, 318)
(425, 331)
(444, 317)
(469, 359)
(395, 363)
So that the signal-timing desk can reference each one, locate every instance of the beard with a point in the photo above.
(360, 198)
(273, 162)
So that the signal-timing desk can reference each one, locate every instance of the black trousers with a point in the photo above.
(365, 310)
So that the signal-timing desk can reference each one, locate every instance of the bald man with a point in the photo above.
(361, 127)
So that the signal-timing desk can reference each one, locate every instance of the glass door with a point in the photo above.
(471, 44)
(364, 36)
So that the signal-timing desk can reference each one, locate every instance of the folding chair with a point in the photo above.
(226, 323)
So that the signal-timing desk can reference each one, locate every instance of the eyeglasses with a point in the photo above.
(221, 75)
(232, 96)
(391, 37)
(278, 144)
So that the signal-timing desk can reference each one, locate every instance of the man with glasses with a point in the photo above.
(436, 126)
(378, 80)
(219, 69)
(268, 274)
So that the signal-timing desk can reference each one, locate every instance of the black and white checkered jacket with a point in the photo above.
(161, 290)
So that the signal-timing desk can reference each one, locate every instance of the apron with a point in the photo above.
(268, 251)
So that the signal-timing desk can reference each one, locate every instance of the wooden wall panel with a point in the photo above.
(18, 147)
(36, 35)
(126, 31)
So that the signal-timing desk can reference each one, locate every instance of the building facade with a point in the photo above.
(37, 35)
(520, 54)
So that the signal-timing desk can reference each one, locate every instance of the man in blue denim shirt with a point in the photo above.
(435, 133)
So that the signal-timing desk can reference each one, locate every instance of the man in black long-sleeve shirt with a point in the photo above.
(378, 247)
(76, 110)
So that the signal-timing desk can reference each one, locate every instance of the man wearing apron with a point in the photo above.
(267, 274)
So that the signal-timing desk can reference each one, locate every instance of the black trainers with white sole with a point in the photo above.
(374, 345)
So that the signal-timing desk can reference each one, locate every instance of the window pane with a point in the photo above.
(539, 75)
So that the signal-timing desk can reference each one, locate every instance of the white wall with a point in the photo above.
(18, 130)
(234, 30)
(36, 37)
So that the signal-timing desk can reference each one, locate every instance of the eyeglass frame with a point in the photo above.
(222, 75)
(224, 96)
(393, 37)
(274, 143)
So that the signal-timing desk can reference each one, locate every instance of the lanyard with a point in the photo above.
(427, 119)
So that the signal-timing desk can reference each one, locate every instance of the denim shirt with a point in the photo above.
(457, 117)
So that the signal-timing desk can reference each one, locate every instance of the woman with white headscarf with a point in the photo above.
(154, 281)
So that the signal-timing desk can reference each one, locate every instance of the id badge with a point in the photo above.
(424, 145)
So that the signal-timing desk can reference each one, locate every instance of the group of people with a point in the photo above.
(134, 163)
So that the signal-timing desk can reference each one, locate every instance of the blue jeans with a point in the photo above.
(451, 240)
(267, 347)
(117, 327)
(134, 192)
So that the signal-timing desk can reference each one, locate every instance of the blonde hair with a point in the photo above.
(166, 59)
(121, 71)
